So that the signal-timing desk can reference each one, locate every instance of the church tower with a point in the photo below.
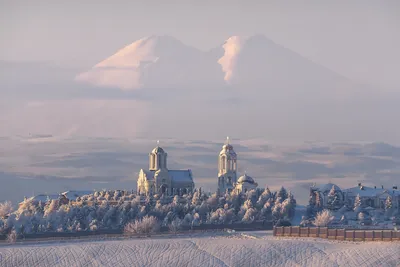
(158, 159)
(227, 168)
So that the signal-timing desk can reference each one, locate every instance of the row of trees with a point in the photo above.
(191, 209)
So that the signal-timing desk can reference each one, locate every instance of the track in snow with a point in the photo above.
(239, 249)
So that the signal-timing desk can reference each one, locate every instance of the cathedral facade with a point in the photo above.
(158, 179)
(227, 172)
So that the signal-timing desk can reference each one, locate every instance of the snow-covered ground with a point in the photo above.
(237, 249)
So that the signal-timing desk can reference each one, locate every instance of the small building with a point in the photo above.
(158, 179)
(74, 194)
(244, 184)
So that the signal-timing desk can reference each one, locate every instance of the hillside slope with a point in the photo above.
(246, 249)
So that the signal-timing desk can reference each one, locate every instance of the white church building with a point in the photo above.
(158, 179)
(227, 172)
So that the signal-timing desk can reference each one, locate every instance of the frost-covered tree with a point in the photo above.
(196, 199)
(323, 218)
(333, 199)
(388, 208)
(318, 200)
(190, 209)
(388, 203)
(5, 208)
(282, 194)
(357, 204)
(289, 206)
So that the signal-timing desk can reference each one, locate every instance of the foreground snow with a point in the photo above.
(237, 249)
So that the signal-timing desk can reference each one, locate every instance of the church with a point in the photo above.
(159, 180)
(227, 173)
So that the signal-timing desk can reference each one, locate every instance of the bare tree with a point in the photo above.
(323, 218)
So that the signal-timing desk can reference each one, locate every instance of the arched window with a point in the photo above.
(223, 165)
(152, 161)
(159, 162)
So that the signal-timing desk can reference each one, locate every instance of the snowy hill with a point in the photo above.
(154, 62)
(245, 249)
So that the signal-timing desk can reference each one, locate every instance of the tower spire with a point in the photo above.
(227, 140)
(158, 142)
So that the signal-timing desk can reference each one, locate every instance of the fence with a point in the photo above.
(338, 234)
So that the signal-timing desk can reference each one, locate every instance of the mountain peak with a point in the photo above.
(156, 61)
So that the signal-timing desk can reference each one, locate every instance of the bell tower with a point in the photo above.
(158, 158)
(227, 167)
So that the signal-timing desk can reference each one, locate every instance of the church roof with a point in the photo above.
(181, 178)
(228, 150)
(157, 150)
(245, 179)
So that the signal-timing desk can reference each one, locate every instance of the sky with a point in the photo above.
(44, 44)
(358, 39)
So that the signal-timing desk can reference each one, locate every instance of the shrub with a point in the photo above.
(146, 225)
(175, 226)
(323, 218)
(12, 237)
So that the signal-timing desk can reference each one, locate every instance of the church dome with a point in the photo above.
(227, 149)
(158, 150)
(245, 179)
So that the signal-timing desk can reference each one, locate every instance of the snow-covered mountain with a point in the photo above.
(257, 62)
(251, 63)
(154, 62)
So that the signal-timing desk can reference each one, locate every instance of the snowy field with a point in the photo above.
(238, 249)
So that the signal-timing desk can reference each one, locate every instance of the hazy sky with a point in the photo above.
(359, 39)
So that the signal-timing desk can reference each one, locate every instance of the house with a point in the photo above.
(374, 197)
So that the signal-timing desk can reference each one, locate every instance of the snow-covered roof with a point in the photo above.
(227, 149)
(158, 150)
(43, 198)
(181, 178)
(73, 194)
(365, 191)
(245, 179)
(327, 187)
